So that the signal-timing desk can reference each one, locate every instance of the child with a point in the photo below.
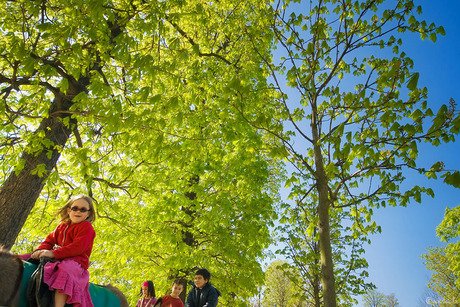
(148, 295)
(173, 300)
(202, 292)
(70, 244)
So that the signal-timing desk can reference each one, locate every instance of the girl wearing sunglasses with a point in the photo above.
(70, 244)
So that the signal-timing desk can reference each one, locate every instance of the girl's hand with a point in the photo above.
(42, 253)
(36, 254)
(47, 253)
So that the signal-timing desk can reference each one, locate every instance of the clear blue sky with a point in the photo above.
(395, 263)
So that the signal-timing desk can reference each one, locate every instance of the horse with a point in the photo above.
(11, 269)
(14, 278)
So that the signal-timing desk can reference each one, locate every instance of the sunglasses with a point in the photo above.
(82, 210)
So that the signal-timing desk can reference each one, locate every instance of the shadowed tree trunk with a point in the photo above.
(20, 191)
(188, 237)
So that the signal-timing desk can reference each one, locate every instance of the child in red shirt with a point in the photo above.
(173, 300)
(70, 244)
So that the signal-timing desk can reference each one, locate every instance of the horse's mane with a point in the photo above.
(11, 269)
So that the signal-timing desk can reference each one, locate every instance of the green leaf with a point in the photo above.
(441, 30)
(413, 81)
(452, 179)
(196, 49)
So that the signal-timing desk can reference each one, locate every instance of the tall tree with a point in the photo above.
(391, 301)
(374, 298)
(138, 103)
(354, 116)
(300, 238)
(282, 286)
(443, 261)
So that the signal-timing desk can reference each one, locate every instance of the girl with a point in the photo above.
(70, 244)
(148, 295)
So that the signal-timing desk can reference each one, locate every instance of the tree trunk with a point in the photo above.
(327, 266)
(188, 238)
(317, 291)
(19, 192)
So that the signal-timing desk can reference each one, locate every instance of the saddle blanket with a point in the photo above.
(100, 296)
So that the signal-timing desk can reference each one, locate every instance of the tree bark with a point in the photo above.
(327, 265)
(20, 192)
(316, 290)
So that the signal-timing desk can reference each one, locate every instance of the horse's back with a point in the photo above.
(103, 297)
(100, 296)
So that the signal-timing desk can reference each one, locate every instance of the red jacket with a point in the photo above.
(75, 241)
(169, 301)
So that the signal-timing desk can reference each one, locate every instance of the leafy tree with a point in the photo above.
(391, 301)
(139, 104)
(374, 298)
(444, 261)
(301, 245)
(355, 116)
(443, 280)
(282, 287)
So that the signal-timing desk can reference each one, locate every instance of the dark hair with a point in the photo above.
(150, 290)
(179, 281)
(205, 273)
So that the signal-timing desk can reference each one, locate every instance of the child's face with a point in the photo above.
(75, 211)
(200, 282)
(176, 290)
(145, 291)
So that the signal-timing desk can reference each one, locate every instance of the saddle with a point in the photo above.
(38, 293)
(35, 293)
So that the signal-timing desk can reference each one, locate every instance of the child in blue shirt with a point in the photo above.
(202, 294)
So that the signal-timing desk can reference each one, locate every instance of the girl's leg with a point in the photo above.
(59, 299)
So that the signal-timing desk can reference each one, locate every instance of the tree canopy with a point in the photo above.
(163, 113)
(142, 105)
(374, 298)
(444, 261)
(282, 286)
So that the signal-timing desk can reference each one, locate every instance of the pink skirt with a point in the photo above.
(68, 277)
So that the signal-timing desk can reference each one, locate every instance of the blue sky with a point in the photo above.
(394, 257)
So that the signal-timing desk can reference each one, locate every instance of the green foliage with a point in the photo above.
(444, 280)
(374, 298)
(283, 286)
(445, 261)
(355, 116)
(161, 94)
(449, 229)
(300, 238)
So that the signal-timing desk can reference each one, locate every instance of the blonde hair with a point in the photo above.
(64, 215)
